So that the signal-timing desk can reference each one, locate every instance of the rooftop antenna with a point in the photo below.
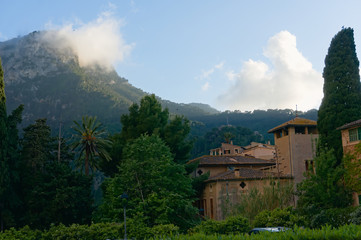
(296, 111)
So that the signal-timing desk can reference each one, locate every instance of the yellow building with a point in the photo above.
(230, 176)
(351, 136)
(234, 170)
(295, 142)
(260, 150)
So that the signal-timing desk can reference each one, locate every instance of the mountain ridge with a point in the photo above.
(51, 84)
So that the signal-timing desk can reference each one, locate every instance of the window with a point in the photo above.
(300, 130)
(354, 134)
(309, 165)
(227, 151)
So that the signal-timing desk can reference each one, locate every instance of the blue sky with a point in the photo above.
(236, 55)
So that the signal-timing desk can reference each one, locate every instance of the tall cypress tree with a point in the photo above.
(8, 158)
(342, 97)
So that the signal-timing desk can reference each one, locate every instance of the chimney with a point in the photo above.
(236, 172)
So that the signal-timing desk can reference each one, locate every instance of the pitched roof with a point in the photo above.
(244, 173)
(350, 125)
(297, 121)
(231, 160)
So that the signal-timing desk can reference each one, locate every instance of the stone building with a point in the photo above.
(230, 176)
(351, 137)
(234, 170)
(295, 142)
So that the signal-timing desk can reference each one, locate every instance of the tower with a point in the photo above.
(295, 143)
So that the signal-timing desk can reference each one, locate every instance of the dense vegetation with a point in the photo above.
(47, 182)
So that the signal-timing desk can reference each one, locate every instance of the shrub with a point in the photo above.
(355, 216)
(23, 233)
(278, 217)
(232, 225)
(334, 217)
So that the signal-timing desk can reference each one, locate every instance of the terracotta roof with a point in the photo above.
(297, 121)
(350, 125)
(244, 173)
(232, 160)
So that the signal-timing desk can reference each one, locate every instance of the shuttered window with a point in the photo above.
(354, 134)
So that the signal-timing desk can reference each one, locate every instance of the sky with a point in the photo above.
(231, 54)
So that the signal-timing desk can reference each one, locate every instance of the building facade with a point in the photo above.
(230, 176)
(351, 138)
(295, 142)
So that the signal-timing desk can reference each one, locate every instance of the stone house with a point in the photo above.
(351, 136)
(234, 170)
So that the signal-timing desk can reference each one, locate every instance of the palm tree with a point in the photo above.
(89, 141)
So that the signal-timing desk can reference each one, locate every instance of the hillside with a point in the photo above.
(51, 84)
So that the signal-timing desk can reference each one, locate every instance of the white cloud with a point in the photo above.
(219, 66)
(205, 86)
(207, 73)
(97, 42)
(287, 81)
(231, 75)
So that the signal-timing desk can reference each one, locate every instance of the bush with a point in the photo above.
(99, 231)
(232, 225)
(334, 217)
(355, 216)
(278, 217)
(23, 233)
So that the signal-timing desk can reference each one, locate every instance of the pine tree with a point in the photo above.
(8, 158)
(342, 97)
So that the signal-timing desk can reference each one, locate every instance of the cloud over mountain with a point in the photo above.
(288, 80)
(97, 42)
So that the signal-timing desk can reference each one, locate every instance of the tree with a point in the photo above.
(89, 141)
(9, 166)
(240, 136)
(323, 189)
(341, 103)
(159, 190)
(37, 145)
(52, 192)
(149, 118)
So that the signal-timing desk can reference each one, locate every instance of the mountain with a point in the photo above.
(48, 79)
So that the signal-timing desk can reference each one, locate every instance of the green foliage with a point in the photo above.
(324, 189)
(37, 145)
(232, 225)
(275, 195)
(159, 190)
(90, 142)
(355, 216)
(352, 165)
(58, 195)
(149, 118)
(103, 231)
(51, 192)
(342, 91)
(98, 231)
(334, 217)
(9, 164)
(278, 217)
(238, 135)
